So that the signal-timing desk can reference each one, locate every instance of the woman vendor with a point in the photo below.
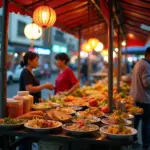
(28, 81)
(66, 81)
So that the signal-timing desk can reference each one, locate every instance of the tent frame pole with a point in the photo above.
(79, 57)
(3, 59)
(126, 57)
(110, 57)
(119, 61)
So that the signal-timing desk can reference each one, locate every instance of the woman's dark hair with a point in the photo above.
(28, 56)
(63, 57)
(147, 51)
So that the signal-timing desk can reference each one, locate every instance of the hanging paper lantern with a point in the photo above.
(99, 47)
(123, 43)
(44, 16)
(93, 42)
(116, 50)
(86, 47)
(32, 31)
(104, 53)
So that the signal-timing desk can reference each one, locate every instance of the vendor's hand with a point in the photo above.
(49, 86)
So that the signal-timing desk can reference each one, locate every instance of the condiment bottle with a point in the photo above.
(117, 105)
(27, 101)
(123, 106)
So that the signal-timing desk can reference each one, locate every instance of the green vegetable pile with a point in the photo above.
(10, 121)
(57, 99)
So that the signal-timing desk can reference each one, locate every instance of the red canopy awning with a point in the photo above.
(71, 15)
(136, 13)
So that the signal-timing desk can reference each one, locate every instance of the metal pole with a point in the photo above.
(119, 62)
(126, 57)
(89, 68)
(79, 58)
(4, 46)
(110, 57)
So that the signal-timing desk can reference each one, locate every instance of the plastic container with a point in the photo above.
(26, 98)
(123, 106)
(26, 93)
(117, 105)
(14, 108)
(31, 100)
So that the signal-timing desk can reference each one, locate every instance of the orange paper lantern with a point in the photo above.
(44, 16)
(93, 42)
(86, 47)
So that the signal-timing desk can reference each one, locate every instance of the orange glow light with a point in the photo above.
(131, 35)
(44, 16)
(123, 43)
(93, 42)
(86, 47)
(99, 47)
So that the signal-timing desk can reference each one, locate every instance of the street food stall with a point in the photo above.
(85, 116)
(80, 117)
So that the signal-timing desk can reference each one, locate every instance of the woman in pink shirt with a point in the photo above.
(66, 81)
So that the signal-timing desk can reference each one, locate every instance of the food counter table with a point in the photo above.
(93, 140)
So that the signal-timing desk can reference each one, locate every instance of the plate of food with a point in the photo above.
(80, 128)
(115, 121)
(42, 106)
(119, 113)
(135, 110)
(10, 123)
(86, 119)
(91, 112)
(118, 131)
(92, 92)
(32, 115)
(77, 102)
(41, 125)
(66, 110)
(76, 108)
(56, 115)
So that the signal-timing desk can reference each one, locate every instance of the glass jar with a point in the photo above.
(14, 108)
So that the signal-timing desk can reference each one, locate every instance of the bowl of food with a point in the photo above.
(80, 128)
(85, 119)
(41, 125)
(66, 110)
(118, 131)
(78, 102)
(115, 121)
(135, 110)
(119, 113)
(91, 112)
(76, 108)
(9, 123)
(42, 106)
